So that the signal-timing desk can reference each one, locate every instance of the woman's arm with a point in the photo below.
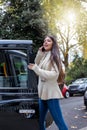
(38, 57)
(44, 73)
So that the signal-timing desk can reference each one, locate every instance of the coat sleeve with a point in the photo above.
(38, 57)
(46, 73)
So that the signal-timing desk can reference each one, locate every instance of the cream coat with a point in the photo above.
(48, 86)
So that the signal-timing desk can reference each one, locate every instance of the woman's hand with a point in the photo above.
(30, 66)
(42, 49)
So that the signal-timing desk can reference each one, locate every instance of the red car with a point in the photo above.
(64, 90)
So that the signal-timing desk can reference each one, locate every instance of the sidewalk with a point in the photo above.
(85, 128)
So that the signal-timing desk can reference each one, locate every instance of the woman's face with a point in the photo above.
(48, 43)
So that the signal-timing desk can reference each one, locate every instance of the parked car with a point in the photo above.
(18, 87)
(85, 98)
(64, 90)
(78, 86)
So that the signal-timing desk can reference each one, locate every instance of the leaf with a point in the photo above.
(74, 127)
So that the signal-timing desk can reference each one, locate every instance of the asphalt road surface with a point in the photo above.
(74, 113)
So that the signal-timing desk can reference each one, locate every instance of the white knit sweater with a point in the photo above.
(48, 86)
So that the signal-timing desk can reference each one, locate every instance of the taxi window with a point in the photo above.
(20, 68)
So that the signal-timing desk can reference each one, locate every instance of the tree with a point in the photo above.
(65, 21)
(78, 69)
(65, 35)
(23, 19)
(82, 32)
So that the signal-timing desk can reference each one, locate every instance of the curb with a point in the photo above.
(85, 128)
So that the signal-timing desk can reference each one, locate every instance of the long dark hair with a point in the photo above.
(55, 57)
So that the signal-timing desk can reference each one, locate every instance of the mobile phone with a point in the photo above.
(43, 49)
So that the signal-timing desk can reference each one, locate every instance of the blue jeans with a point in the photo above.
(54, 107)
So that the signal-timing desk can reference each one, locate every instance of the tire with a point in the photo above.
(67, 95)
(86, 107)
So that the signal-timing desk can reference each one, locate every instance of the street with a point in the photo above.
(74, 113)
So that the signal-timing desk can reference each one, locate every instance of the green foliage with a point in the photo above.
(23, 19)
(78, 69)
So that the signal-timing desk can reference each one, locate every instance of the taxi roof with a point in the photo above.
(15, 44)
(4, 41)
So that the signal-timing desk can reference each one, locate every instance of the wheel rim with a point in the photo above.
(67, 94)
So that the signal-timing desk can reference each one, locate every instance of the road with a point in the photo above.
(74, 113)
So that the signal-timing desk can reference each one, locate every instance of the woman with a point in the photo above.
(49, 69)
